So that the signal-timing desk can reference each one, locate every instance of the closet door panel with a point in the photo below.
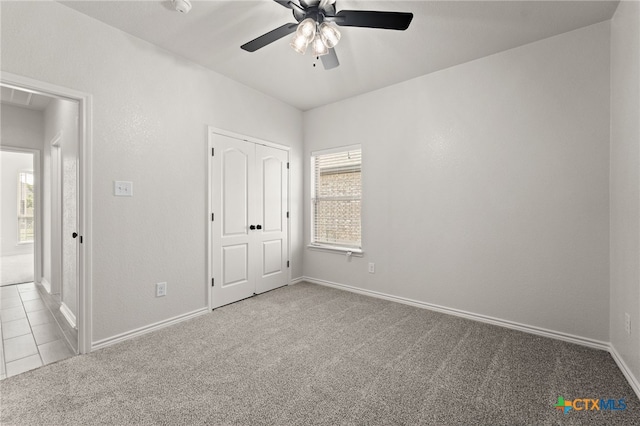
(271, 202)
(232, 188)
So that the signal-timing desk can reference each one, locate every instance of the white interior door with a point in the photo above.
(272, 244)
(232, 202)
(70, 228)
(249, 247)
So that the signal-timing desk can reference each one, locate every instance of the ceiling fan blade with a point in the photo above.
(269, 37)
(330, 60)
(327, 7)
(284, 3)
(373, 19)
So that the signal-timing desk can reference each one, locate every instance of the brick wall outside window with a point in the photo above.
(338, 221)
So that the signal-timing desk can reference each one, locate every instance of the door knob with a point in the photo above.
(74, 235)
(252, 227)
(259, 226)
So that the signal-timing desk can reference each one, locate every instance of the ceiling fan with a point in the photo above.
(316, 27)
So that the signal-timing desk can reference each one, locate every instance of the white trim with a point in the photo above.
(296, 280)
(46, 284)
(355, 252)
(571, 338)
(68, 315)
(626, 371)
(207, 217)
(85, 142)
(246, 138)
(355, 147)
(147, 329)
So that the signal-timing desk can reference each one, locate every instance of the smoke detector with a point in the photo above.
(182, 6)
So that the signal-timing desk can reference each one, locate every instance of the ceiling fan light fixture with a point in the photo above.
(299, 44)
(307, 29)
(329, 34)
(319, 48)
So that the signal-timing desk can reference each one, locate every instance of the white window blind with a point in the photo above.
(336, 200)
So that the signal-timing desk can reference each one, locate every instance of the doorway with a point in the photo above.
(18, 227)
(62, 210)
(249, 227)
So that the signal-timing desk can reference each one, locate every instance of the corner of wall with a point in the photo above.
(624, 282)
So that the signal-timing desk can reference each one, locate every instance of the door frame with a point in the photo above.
(211, 130)
(37, 193)
(85, 114)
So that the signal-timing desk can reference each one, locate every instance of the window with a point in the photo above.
(25, 207)
(336, 197)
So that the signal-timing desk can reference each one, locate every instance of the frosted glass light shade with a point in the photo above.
(299, 43)
(307, 29)
(319, 48)
(329, 34)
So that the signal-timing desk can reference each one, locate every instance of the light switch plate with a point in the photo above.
(122, 188)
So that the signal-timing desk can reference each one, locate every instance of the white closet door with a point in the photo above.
(233, 180)
(249, 190)
(271, 204)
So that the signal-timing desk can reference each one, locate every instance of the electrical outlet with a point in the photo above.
(372, 268)
(161, 289)
(627, 323)
(122, 188)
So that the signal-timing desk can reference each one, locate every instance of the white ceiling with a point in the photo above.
(442, 34)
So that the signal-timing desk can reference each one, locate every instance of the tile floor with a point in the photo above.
(30, 335)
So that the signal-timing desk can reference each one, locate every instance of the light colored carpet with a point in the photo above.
(307, 354)
(16, 269)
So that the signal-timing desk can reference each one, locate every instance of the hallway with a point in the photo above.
(30, 335)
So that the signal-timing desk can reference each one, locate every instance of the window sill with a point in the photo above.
(356, 252)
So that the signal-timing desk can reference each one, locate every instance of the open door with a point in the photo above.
(64, 267)
(70, 237)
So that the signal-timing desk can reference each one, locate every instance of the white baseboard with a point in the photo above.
(46, 284)
(296, 280)
(146, 329)
(68, 315)
(633, 381)
(558, 335)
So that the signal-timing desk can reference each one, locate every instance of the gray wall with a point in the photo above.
(150, 115)
(21, 127)
(625, 183)
(485, 186)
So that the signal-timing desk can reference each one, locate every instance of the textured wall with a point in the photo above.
(485, 185)
(150, 115)
(625, 182)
